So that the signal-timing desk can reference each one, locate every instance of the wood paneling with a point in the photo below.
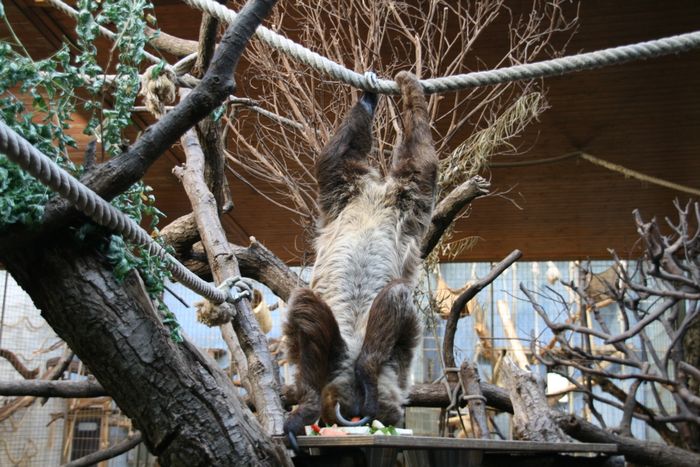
(642, 115)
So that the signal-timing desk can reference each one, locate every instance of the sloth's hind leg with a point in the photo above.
(393, 332)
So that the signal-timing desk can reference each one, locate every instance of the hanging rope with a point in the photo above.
(21, 152)
(554, 67)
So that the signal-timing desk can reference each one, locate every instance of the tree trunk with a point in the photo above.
(531, 414)
(185, 406)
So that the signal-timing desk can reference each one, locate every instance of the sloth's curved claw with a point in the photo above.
(345, 422)
(372, 80)
(293, 442)
(369, 99)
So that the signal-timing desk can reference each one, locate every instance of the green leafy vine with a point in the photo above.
(53, 84)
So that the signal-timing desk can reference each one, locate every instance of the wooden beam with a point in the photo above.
(426, 442)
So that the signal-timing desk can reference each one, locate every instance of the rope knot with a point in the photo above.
(371, 82)
(237, 288)
(158, 88)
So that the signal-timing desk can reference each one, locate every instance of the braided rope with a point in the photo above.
(554, 67)
(21, 152)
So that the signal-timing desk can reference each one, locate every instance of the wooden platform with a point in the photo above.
(383, 451)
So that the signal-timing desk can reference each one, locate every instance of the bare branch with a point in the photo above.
(120, 448)
(660, 290)
(449, 208)
(461, 301)
(637, 328)
(263, 385)
(44, 388)
(169, 43)
(18, 365)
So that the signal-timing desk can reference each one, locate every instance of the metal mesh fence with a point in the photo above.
(500, 321)
(35, 432)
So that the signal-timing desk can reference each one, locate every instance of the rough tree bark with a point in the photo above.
(469, 373)
(531, 414)
(186, 408)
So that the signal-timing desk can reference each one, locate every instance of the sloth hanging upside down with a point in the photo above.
(354, 332)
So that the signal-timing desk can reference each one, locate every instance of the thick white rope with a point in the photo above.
(554, 67)
(21, 152)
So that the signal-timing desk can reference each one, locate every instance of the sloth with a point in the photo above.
(353, 333)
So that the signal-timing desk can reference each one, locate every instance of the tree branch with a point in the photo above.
(18, 365)
(461, 301)
(431, 395)
(170, 44)
(113, 451)
(55, 372)
(181, 234)
(206, 44)
(531, 415)
(262, 384)
(637, 451)
(469, 374)
(448, 209)
(44, 388)
(254, 261)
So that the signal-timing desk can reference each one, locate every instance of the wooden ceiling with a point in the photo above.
(642, 115)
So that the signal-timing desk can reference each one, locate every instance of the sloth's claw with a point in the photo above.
(293, 442)
(345, 422)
